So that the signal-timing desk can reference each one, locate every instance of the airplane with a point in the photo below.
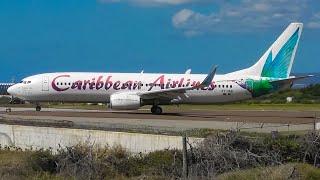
(130, 91)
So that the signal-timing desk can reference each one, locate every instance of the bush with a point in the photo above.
(229, 152)
(289, 150)
(42, 161)
(89, 162)
(217, 154)
(164, 163)
(311, 148)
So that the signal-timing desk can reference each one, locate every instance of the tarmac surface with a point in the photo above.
(178, 120)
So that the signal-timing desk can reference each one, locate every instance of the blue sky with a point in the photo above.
(167, 36)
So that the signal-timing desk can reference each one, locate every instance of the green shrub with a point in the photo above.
(164, 162)
(42, 161)
(289, 150)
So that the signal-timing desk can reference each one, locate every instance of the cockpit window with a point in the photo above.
(25, 82)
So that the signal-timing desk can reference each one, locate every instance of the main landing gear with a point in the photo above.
(156, 110)
(38, 108)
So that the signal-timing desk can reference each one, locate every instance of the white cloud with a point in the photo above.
(262, 7)
(240, 15)
(186, 18)
(315, 21)
(247, 15)
(316, 15)
(182, 17)
(157, 2)
(314, 25)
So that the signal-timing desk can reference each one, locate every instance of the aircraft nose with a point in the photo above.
(12, 90)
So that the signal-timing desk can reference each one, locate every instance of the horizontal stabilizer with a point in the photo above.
(289, 80)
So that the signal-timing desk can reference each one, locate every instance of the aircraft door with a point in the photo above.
(45, 83)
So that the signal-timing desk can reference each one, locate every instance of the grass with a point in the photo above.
(287, 171)
(12, 164)
(280, 107)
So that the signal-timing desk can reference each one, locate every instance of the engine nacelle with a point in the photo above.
(125, 101)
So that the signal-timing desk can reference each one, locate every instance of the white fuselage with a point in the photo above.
(97, 87)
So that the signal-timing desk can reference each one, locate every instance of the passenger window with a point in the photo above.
(219, 86)
(230, 86)
(222, 86)
(227, 86)
(57, 83)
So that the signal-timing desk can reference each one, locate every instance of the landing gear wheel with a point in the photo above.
(156, 110)
(152, 109)
(38, 108)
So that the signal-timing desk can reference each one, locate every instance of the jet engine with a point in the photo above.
(125, 101)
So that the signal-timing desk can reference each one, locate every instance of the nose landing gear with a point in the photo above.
(156, 110)
(38, 108)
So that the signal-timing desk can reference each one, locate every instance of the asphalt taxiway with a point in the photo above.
(262, 121)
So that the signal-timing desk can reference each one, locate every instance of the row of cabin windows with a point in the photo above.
(219, 86)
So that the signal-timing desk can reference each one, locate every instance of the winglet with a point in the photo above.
(188, 71)
(207, 81)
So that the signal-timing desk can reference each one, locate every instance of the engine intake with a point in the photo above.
(125, 101)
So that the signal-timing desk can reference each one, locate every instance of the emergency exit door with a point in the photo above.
(45, 83)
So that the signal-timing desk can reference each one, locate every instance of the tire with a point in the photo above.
(38, 108)
(152, 109)
(158, 110)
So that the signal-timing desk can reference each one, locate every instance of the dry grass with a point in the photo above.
(287, 171)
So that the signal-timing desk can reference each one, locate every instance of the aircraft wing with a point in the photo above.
(175, 92)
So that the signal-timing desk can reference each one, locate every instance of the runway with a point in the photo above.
(254, 116)
(170, 120)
